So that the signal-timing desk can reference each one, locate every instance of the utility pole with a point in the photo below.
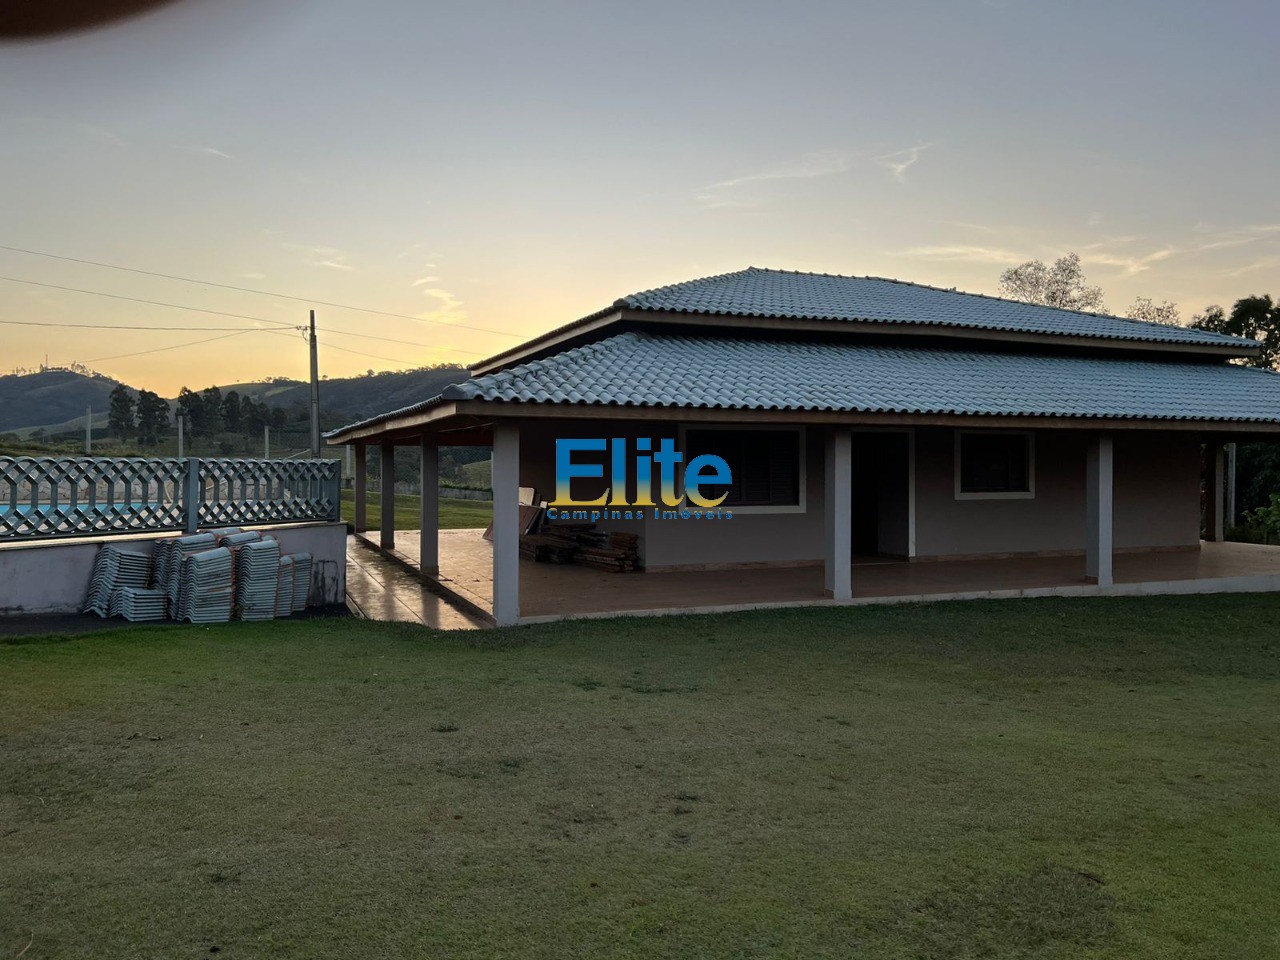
(315, 392)
(266, 442)
(88, 431)
(181, 419)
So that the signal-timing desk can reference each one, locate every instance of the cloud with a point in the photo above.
(79, 128)
(901, 161)
(1265, 263)
(967, 253)
(823, 163)
(328, 258)
(205, 151)
(1130, 264)
(1238, 236)
(450, 309)
(421, 281)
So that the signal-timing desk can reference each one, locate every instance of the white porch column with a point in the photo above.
(1231, 485)
(1214, 523)
(388, 498)
(839, 514)
(429, 518)
(1099, 482)
(505, 480)
(359, 488)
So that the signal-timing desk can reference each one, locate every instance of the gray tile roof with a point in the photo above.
(757, 292)
(645, 369)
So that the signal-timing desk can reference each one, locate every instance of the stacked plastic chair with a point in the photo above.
(257, 570)
(138, 603)
(114, 568)
(284, 588)
(204, 594)
(301, 580)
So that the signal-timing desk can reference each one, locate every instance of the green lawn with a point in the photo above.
(1031, 779)
(454, 514)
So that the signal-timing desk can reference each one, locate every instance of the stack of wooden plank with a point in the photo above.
(611, 551)
(583, 544)
(553, 545)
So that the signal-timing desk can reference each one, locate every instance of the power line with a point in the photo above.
(156, 303)
(358, 353)
(412, 343)
(121, 326)
(180, 306)
(176, 346)
(264, 293)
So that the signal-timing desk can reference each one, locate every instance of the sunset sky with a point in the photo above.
(511, 166)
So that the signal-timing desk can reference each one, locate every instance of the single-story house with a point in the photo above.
(869, 425)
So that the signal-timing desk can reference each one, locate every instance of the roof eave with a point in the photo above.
(600, 321)
(487, 410)
(548, 341)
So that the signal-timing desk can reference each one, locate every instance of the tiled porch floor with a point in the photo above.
(553, 591)
(379, 589)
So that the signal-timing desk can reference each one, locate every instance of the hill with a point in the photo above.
(51, 397)
(55, 400)
(353, 398)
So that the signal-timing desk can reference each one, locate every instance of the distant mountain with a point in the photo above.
(55, 400)
(354, 398)
(51, 397)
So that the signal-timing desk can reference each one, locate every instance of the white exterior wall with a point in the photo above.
(52, 576)
(1157, 500)
(1157, 497)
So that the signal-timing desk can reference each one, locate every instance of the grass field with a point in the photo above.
(1026, 779)
(454, 514)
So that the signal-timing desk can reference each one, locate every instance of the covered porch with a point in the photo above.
(490, 581)
(557, 592)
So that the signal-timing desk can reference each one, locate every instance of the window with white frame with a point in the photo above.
(766, 465)
(994, 464)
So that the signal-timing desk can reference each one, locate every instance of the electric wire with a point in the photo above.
(264, 293)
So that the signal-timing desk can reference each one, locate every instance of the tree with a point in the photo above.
(1257, 318)
(1144, 308)
(211, 402)
(120, 419)
(191, 409)
(232, 411)
(153, 417)
(1061, 285)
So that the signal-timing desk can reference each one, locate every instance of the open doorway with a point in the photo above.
(881, 491)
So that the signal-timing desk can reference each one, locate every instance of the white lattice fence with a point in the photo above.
(46, 497)
(83, 496)
(241, 492)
